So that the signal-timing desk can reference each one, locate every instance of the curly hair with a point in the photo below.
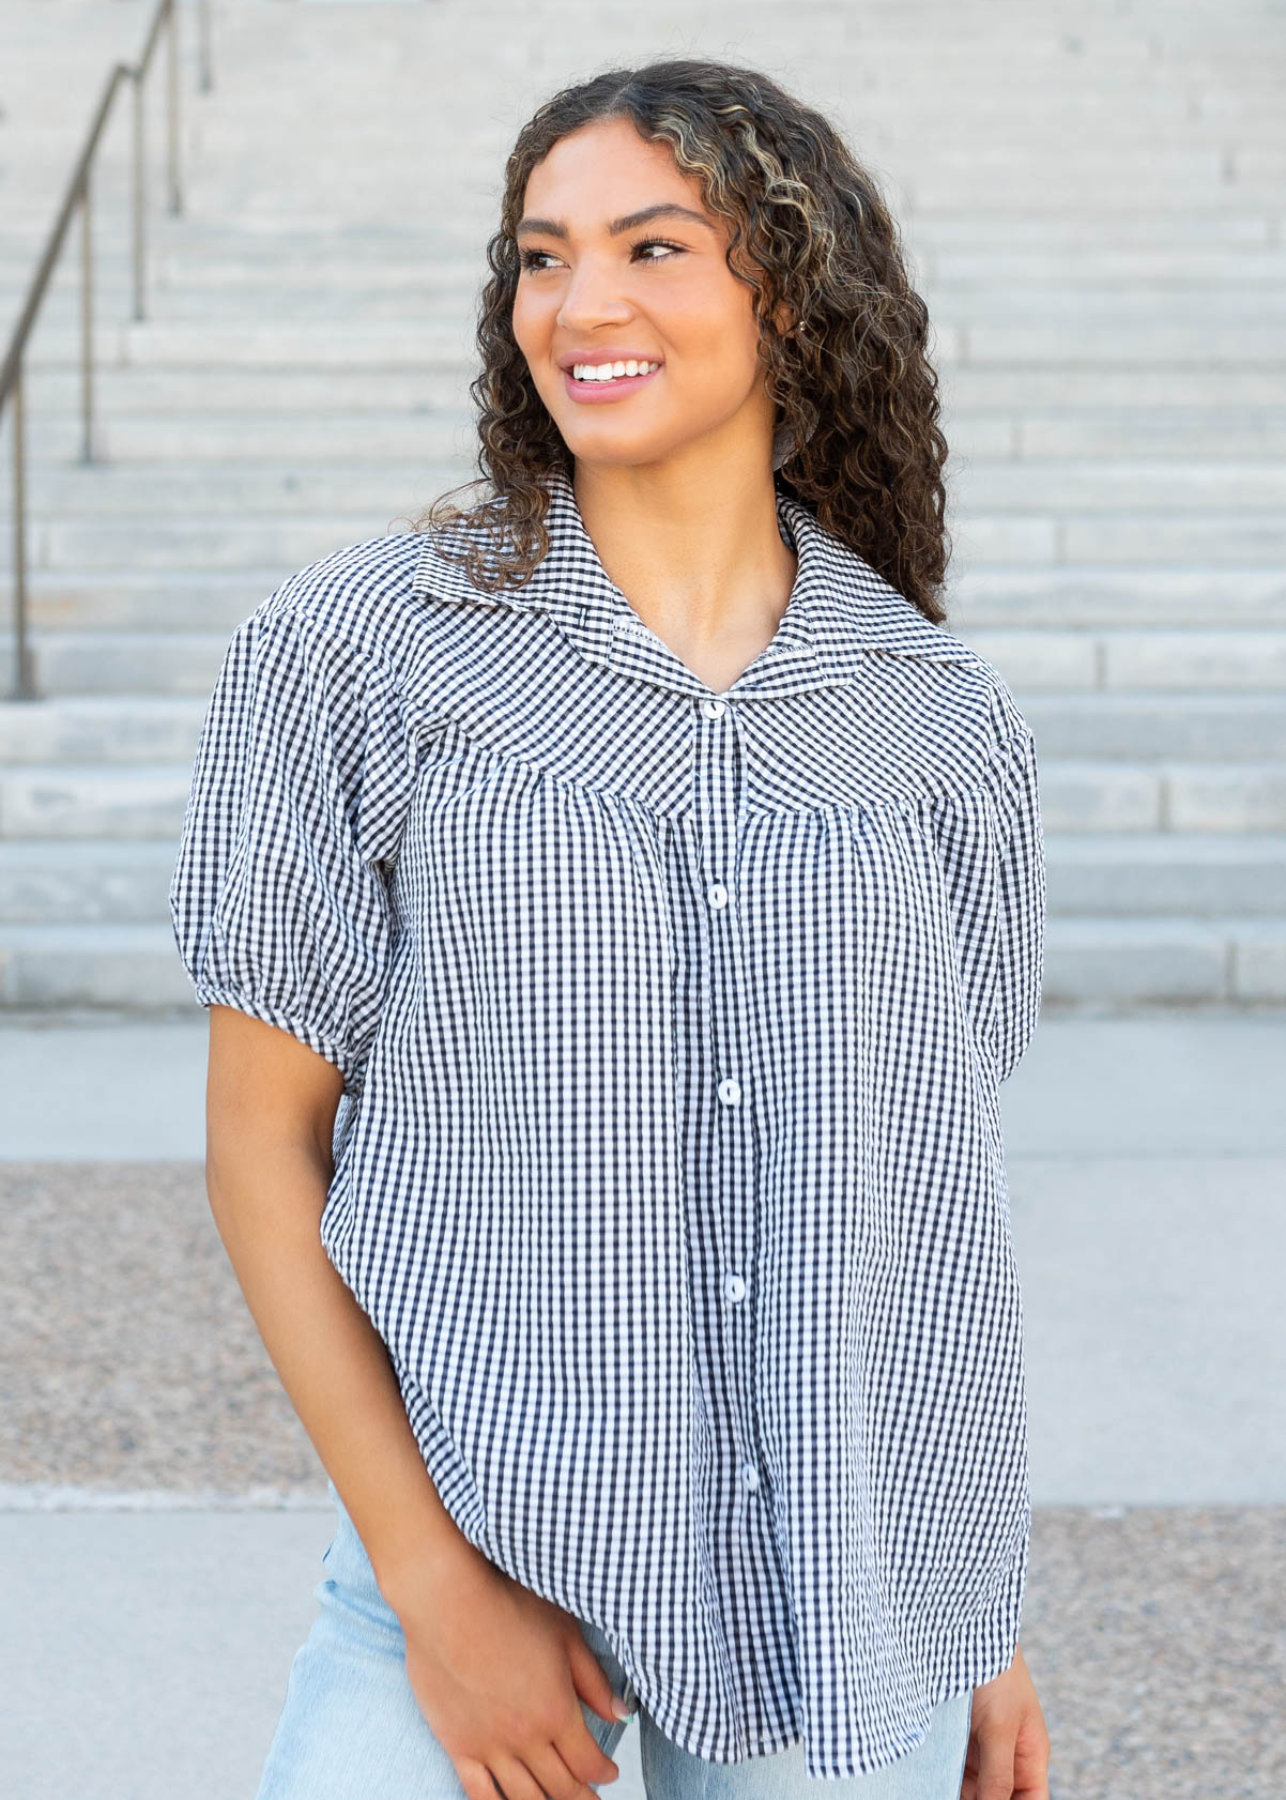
(856, 395)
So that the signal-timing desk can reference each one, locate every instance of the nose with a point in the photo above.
(592, 297)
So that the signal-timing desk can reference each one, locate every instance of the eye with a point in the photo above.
(660, 244)
(530, 259)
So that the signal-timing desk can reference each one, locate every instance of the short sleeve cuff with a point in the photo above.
(210, 994)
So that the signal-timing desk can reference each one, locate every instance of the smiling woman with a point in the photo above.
(663, 889)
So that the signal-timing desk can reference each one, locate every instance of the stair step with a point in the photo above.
(173, 498)
(103, 602)
(76, 800)
(86, 881)
(1165, 874)
(285, 540)
(1095, 796)
(1120, 597)
(1041, 659)
(257, 344)
(1148, 959)
(101, 729)
(1039, 387)
(86, 663)
(218, 445)
(261, 395)
(1152, 728)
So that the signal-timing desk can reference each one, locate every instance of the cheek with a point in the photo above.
(531, 320)
(717, 338)
(721, 377)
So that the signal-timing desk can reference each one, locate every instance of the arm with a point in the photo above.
(271, 1104)
(498, 1672)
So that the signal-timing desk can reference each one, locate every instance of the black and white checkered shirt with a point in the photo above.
(669, 1164)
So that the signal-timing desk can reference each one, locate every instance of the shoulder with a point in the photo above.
(356, 602)
(965, 694)
(969, 677)
(956, 695)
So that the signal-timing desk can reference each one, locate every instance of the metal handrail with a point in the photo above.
(165, 18)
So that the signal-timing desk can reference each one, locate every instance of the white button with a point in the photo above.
(717, 895)
(735, 1288)
(729, 1091)
(750, 1475)
(714, 709)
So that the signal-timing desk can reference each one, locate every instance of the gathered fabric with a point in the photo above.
(669, 1163)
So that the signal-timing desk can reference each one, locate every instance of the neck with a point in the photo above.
(699, 558)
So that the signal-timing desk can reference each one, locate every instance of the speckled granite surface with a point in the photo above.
(129, 1361)
(128, 1356)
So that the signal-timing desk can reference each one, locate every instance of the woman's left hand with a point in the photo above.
(1008, 1757)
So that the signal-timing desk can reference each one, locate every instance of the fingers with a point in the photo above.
(1007, 1760)
(556, 1778)
(591, 1680)
(559, 1765)
(576, 1756)
(996, 1767)
(516, 1782)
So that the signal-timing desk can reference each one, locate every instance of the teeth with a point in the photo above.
(611, 371)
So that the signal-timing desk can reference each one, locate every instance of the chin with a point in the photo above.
(615, 456)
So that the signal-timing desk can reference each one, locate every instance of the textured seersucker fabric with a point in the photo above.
(669, 1163)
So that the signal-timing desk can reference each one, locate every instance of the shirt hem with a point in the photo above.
(965, 1660)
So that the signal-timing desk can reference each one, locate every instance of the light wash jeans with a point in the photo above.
(351, 1727)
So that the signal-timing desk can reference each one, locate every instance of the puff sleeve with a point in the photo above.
(990, 850)
(1020, 899)
(299, 794)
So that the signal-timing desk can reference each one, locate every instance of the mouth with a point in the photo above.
(599, 388)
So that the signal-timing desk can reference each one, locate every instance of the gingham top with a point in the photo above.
(669, 1161)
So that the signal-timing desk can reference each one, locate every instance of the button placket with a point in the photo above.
(719, 779)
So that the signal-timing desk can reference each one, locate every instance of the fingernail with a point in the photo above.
(621, 1710)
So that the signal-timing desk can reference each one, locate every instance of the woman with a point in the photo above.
(617, 906)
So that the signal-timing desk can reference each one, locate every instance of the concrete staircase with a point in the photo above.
(1094, 207)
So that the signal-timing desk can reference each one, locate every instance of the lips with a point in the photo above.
(603, 357)
(588, 392)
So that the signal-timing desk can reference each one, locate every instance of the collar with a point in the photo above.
(839, 606)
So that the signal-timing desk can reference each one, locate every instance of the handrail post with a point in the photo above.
(86, 324)
(203, 30)
(172, 87)
(140, 311)
(24, 687)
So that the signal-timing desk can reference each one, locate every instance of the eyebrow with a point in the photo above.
(665, 209)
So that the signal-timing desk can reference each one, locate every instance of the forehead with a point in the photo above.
(604, 163)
